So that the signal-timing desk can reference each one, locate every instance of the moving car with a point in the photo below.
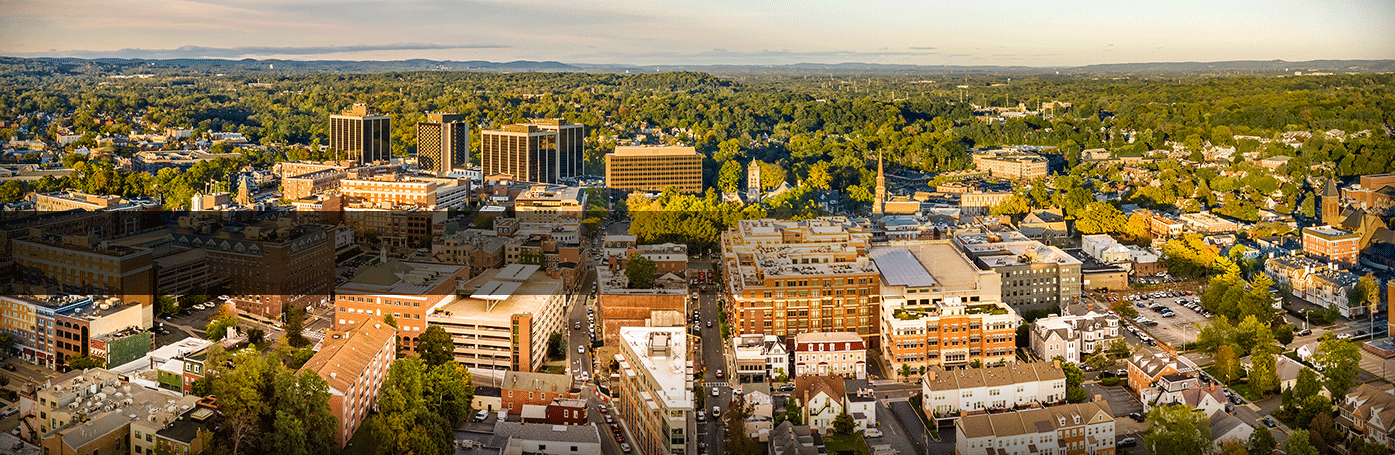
(1268, 422)
(625, 446)
(714, 391)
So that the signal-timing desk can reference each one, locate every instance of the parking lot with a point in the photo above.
(1167, 320)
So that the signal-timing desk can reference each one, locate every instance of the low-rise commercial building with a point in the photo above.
(94, 411)
(1208, 223)
(760, 358)
(407, 291)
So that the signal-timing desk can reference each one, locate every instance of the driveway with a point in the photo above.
(894, 432)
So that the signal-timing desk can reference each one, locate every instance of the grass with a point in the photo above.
(846, 443)
(990, 309)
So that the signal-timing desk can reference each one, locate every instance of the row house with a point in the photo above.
(948, 394)
(830, 353)
(1069, 429)
(1315, 281)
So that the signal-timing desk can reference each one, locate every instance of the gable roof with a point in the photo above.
(812, 385)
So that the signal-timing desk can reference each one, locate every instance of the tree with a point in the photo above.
(1074, 377)
(729, 178)
(1308, 207)
(557, 346)
(1261, 442)
(166, 305)
(389, 320)
(85, 362)
(218, 328)
(640, 272)
(295, 326)
(905, 371)
(793, 413)
(1323, 433)
(256, 335)
(1233, 447)
(1299, 444)
(1339, 362)
(1263, 375)
(1227, 365)
(843, 423)
(404, 422)
(736, 440)
(1099, 361)
(449, 391)
(435, 346)
(1178, 429)
(288, 435)
(1124, 309)
(1119, 349)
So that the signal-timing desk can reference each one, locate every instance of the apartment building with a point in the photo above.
(842, 354)
(1068, 429)
(1033, 275)
(1208, 223)
(405, 290)
(1163, 227)
(656, 389)
(153, 161)
(950, 393)
(400, 191)
(361, 134)
(571, 145)
(1010, 163)
(760, 358)
(269, 265)
(654, 169)
(354, 361)
(191, 433)
(938, 308)
(1073, 338)
(524, 152)
(501, 319)
(791, 277)
(443, 143)
(980, 203)
(48, 330)
(521, 388)
(1317, 282)
(82, 264)
(1332, 245)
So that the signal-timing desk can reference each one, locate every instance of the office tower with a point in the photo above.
(524, 152)
(571, 138)
(360, 134)
(443, 143)
(654, 169)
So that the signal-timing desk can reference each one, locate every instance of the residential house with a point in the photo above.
(1368, 412)
(830, 353)
(521, 388)
(948, 394)
(1073, 338)
(1068, 429)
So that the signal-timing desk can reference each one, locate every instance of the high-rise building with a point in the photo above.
(571, 141)
(524, 152)
(354, 362)
(443, 143)
(654, 169)
(655, 394)
(361, 134)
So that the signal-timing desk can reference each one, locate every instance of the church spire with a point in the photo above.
(879, 199)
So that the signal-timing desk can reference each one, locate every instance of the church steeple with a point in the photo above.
(1331, 203)
(879, 199)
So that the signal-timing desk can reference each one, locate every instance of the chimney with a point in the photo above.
(1099, 398)
(1055, 363)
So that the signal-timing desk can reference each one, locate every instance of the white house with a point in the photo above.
(1073, 337)
(948, 392)
(821, 399)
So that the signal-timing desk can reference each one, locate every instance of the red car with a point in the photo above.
(619, 437)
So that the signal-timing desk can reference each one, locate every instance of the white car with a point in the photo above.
(872, 433)
(581, 349)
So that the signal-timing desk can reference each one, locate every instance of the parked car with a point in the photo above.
(701, 416)
(1127, 442)
(12, 410)
(1268, 422)
(625, 446)
(480, 416)
(1137, 417)
(872, 433)
(715, 391)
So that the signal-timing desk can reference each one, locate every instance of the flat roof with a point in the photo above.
(632, 150)
(900, 268)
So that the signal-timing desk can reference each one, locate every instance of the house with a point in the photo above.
(1288, 369)
(1045, 225)
(1147, 367)
(1306, 351)
(542, 439)
(762, 418)
(861, 403)
(1073, 337)
(1183, 388)
(1226, 428)
(790, 439)
(1368, 412)
(821, 398)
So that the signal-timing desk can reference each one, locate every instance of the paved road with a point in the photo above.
(711, 431)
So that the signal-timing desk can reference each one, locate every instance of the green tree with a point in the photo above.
(1299, 444)
(1074, 377)
(449, 391)
(389, 320)
(1261, 442)
(729, 178)
(1308, 207)
(736, 441)
(288, 435)
(295, 326)
(793, 413)
(435, 346)
(85, 362)
(1227, 365)
(1120, 349)
(844, 423)
(165, 305)
(1323, 433)
(1339, 361)
(412, 417)
(1099, 361)
(1178, 429)
(218, 328)
(556, 346)
(640, 271)
(1263, 377)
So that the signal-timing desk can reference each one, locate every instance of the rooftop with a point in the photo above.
(580, 434)
(625, 150)
(662, 353)
(344, 356)
(496, 295)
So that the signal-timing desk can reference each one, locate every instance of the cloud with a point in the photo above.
(719, 56)
(923, 48)
(257, 51)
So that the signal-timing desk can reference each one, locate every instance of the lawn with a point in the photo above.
(846, 443)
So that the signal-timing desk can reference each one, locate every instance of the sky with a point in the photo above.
(696, 32)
